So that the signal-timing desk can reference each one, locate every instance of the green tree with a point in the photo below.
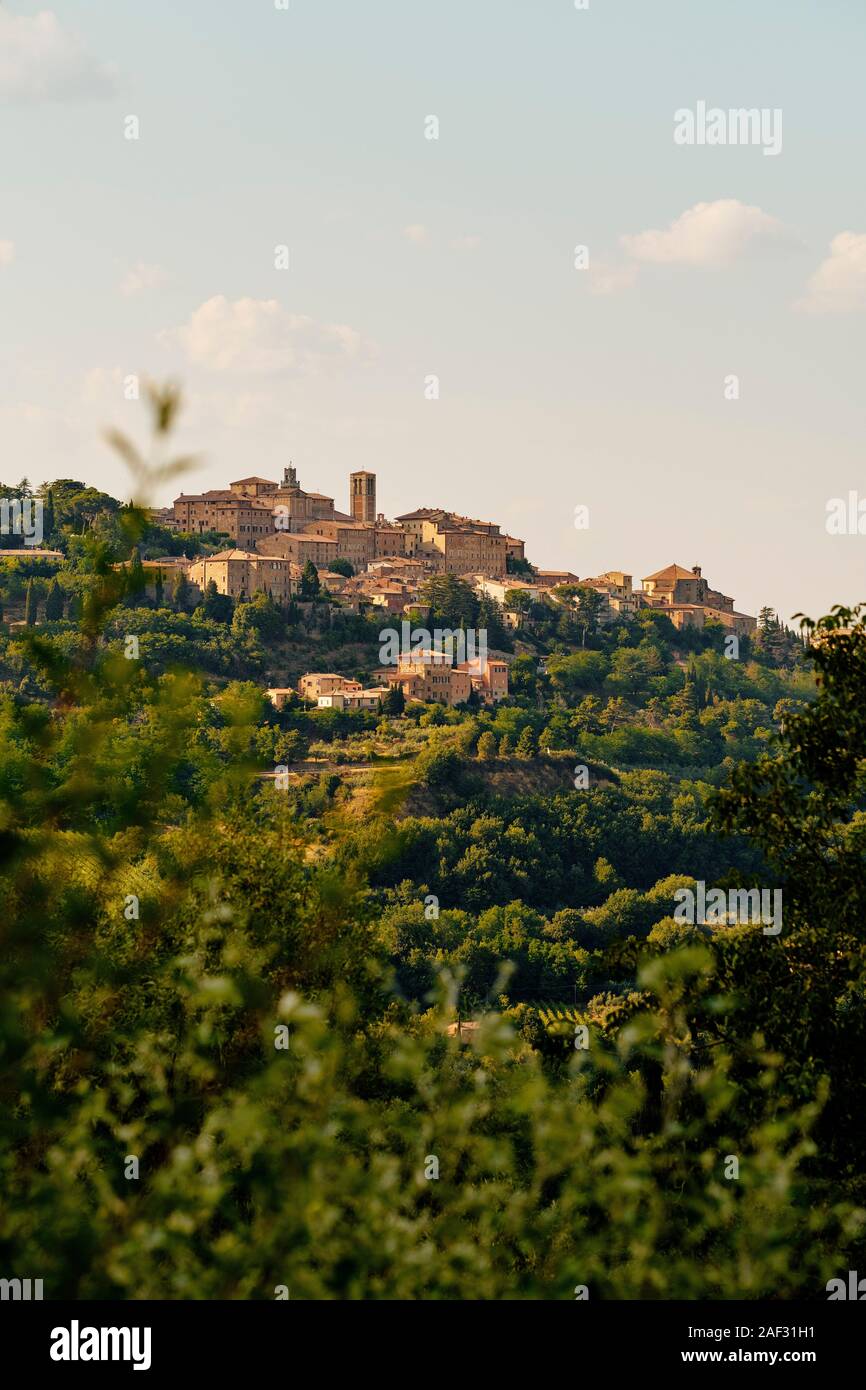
(309, 588)
(490, 619)
(487, 745)
(394, 702)
(135, 579)
(182, 593)
(54, 602)
(802, 803)
(218, 608)
(31, 605)
(451, 602)
(260, 615)
(526, 746)
(518, 601)
(589, 605)
(48, 519)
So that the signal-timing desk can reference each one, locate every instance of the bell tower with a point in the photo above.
(362, 496)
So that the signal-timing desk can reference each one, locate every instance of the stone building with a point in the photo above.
(241, 573)
(254, 512)
(354, 699)
(245, 519)
(317, 683)
(454, 544)
(682, 593)
(433, 676)
(299, 547)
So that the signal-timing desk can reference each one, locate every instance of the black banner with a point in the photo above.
(224, 1339)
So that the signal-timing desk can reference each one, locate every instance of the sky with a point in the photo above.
(693, 377)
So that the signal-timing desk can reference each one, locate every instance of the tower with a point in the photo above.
(362, 496)
(290, 477)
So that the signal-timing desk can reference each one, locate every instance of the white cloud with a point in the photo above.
(7, 252)
(259, 336)
(709, 234)
(838, 286)
(417, 234)
(40, 61)
(466, 243)
(142, 277)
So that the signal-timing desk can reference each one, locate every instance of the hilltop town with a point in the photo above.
(278, 528)
(366, 561)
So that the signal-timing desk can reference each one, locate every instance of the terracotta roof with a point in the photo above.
(231, 555)
(672, 572)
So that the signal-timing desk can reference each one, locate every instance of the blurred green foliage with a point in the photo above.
(192, 977)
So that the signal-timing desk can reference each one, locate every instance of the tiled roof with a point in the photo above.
(672, 572)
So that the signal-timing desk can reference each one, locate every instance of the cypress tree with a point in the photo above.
(526, 744)
(54, 603)
(181, 595)
(30, 605)
(48, 516)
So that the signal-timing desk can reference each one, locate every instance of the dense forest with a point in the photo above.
(323, 1004)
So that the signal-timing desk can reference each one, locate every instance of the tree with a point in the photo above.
(526, 747)
(31, 605)
(309, 581)
(526, 679)
(801, 803)
(505, 746)
(395, 701)
(589, 605)
(159, 589)
(515, 565)
(487, 746)
(182, 593)
(451, 601)
(341, 566)
(490, 620)
(135, 579)
(260, 615)
(578, 672)
(48, 521)
(217, 607)
(517, 601)
(54, 602)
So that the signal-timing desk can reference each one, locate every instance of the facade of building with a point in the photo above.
(354, 699)
(317, 683)
(550, 578)
(433, 676)
(244, 519)
(241, 573)
(279, 695)
(679, 589)
(252, 508)
(622, 600)
(515, 549)
(454, 544)
(299, 547)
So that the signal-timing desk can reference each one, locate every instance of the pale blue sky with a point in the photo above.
(306, 128)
